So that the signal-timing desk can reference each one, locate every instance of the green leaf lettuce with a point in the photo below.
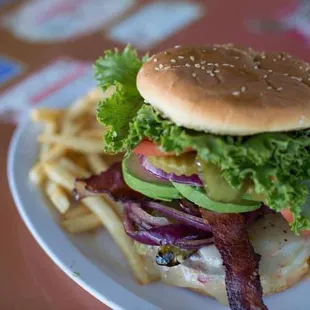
(118, 69)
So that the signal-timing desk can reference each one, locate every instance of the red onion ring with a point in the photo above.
(192, 180)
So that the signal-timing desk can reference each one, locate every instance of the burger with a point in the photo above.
(214, 179)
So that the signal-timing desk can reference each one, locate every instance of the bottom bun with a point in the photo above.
(284, 261)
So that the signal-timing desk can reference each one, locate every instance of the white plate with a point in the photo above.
(101, 269)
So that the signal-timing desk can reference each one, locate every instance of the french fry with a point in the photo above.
(79, 144)
(117, 206)
(73, 168)
(78, 158)
(87, 104)
(76, 212)
(58, 150)
(50, 128)
(53, 153)
(59, 175)
(58, 196)
(82, 223)
(97, 94)
(93, 133)
(46, 115)
(96, 163)
(36, 174)
(81, 105)
(115, 227)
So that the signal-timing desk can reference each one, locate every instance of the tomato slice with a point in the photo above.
(288, 215)
(149, 148)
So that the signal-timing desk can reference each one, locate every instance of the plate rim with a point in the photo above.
(110, 295)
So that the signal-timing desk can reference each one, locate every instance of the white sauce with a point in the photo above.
(283, 262)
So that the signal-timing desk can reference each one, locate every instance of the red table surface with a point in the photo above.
(28, 278)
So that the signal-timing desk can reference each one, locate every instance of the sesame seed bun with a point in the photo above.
(226, 89)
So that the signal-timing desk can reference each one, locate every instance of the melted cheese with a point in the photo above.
(283, 263)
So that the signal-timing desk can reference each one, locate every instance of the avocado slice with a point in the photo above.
(200, 198)
(144, 182)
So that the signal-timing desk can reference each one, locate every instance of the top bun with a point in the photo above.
(226, 89)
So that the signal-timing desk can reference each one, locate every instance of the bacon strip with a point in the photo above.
(241, 263)
(110, 182)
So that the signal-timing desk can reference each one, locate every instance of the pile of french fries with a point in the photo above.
(71, 146)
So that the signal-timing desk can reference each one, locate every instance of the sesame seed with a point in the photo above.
(209, 71)
(197, 65)
(181, 57)
(286, 74)
(279, 88)
(203, 67)
(155, 59)
(210, 63)
(270, 70)
(265, 76)
(279, 56)
(165, 52)
(216, 65)
(203, 62)
(194, 74)
(187, 65)
(177, 46)
(255, 67)
(263, 56)
(231, 66)
(243, 89)
(156, 69)
(274, 59)
(261, 94)
(308, 79)
(214, 48)
(212, 74)
(160, 66)
(283, 58)
(167, 68)
(236, 93)
(300, 67)
(192, 58)
(173, 60)
(225, 65)
(216, 71)
(237, 57)
(296, 78)
(269, 88)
